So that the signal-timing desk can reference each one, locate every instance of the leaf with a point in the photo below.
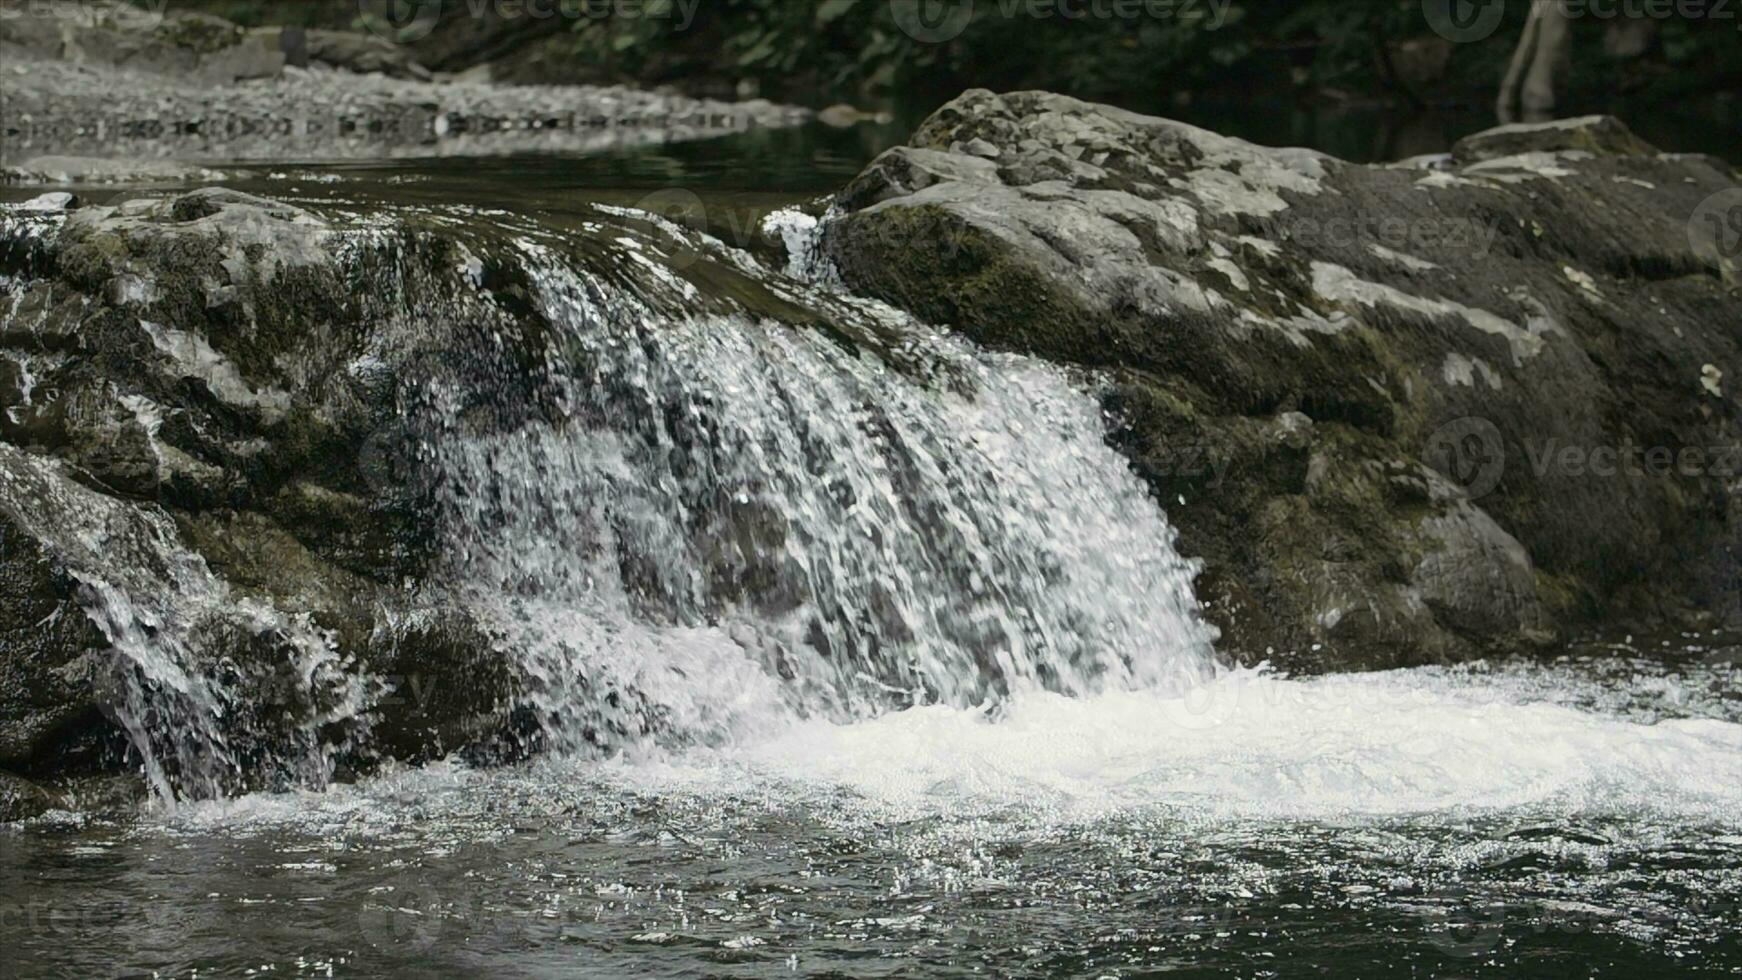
(831, 10)
(762, 50)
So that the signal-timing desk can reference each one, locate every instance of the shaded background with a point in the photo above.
(1362, 79)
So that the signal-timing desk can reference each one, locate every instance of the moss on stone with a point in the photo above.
(199, 33)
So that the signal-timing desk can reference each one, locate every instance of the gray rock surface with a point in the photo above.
(1354, 387)
(218, 534)
(21, 799)
(187, 403)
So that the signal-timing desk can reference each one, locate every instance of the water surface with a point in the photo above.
(1559, 818)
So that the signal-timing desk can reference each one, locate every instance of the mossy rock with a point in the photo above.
(1539, 286)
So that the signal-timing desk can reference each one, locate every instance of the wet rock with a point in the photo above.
(184, 429)
(452, 690)
(1352, 387)
(218, 550)
(254, 57)
(55, 201)
(1603, 136)
(841, 116)
(48, 709)
(363, 53)
(21, 799)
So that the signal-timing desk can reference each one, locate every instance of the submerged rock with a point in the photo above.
(1404, 413)
(21, 799)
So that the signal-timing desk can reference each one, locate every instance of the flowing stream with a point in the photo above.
(742, 522)
(855, 651)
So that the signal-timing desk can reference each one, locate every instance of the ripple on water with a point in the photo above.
(1237, 830)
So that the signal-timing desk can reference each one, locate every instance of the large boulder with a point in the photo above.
(350, 51)
(21, 799)
(249, 479)
(209, 501)
(1404, 413)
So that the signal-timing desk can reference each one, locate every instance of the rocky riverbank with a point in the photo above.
(1353, 389)
(1405, 413)
(80, 80)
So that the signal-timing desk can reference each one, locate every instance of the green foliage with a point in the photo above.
(1140, 53)
(1129, 51)
(1090, 47)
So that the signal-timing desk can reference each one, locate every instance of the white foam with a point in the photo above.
(727, 501)
(1255, 745)
(1430, 748)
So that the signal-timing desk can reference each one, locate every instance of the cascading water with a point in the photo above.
(684, 523)
(201, 723)
(734, 519)
(774, 550)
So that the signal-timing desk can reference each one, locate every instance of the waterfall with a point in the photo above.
(681, 518)
(730, 520)
(215, 692)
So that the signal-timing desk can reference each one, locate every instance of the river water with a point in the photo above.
(1565, 819)
(1098, 798)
